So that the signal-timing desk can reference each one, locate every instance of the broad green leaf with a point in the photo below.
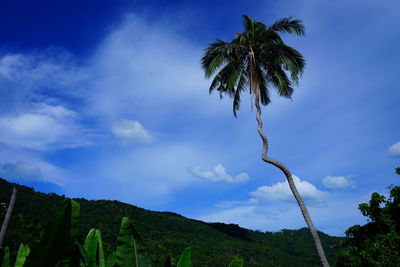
(94, 249)
(111, 260)
(131, 250)
(125, 253)
(58, 238)
(186, 258)
(23, 252)
(91, 247)
(102, 261)
(237, 261)
(5, 257)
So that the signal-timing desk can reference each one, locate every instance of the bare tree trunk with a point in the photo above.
(292, 185)
(8, 216)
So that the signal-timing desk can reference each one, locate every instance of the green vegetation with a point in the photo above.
(59, 247)
(258, 59)
(164, 233)
(378, 242)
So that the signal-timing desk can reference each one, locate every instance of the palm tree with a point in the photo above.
(258, 59)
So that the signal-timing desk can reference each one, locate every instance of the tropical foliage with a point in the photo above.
(164, 233)
(60, 247)
(378, 242)
(257, 60)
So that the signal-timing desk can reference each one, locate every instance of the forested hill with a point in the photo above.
(165, 233)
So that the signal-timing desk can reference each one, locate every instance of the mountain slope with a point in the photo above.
(165, 233)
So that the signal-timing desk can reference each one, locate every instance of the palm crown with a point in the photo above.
(258, 59)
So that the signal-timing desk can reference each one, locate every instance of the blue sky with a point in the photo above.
(107, 100)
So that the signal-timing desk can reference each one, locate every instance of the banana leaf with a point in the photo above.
(111, 260)
(94, 249)
(131, 250)
(57, 242)
(23, 252)
(186, 258)
(5, 257)
(237, 261)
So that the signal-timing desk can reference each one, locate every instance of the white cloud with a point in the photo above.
(148, 176)
(394, 150)
(50, 67)
(27, 164)
(334, 218)
(55, 111)
(281, 191)
(8, 64)
(338, 182)
(168, 76)
(115, 73)
(21, 170)
(257, 213)
(258, 217)
(42, 128)
(116, 83)
(131, 131)
(219, 174)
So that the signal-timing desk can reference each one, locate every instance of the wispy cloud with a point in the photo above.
(284, 215)
(270, 210)
(338, 182)
(49, 66)
(42, 128)
(20, 170)
(164, 78)
(394, 150)
(35, 115)
(218, 174)
(158, 87)
(131, 131)
(28, 165)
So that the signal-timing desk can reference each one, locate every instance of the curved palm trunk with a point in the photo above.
(292, 185)
(8, 216)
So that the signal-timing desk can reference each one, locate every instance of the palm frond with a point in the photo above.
(290, 59)
(288, 25)
(241, 86)
(263, 89)
(294, 63)
(268, 38)
(248, 24)
(226, 79)
(215, 56)
(282, 83)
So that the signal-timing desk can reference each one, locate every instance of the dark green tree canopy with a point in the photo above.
(256, 59)
(378, 242)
